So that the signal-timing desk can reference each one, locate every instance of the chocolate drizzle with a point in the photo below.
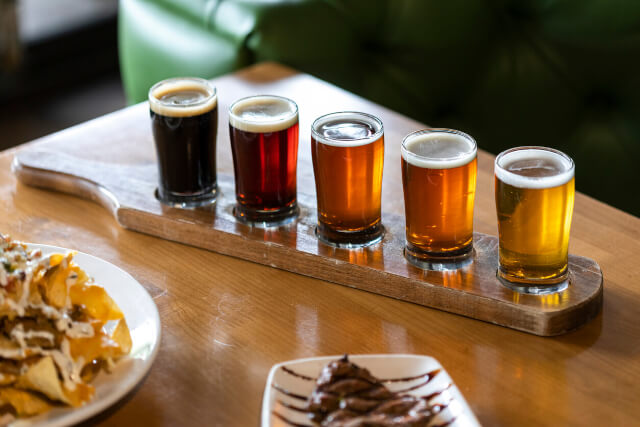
(347, 395)
(288, 393)
(295, 374)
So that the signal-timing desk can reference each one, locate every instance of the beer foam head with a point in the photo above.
(534, 167)
(438, 148)
(182, 97)
(263, 113)
(348, 129)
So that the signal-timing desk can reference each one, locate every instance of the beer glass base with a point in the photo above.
(266, 219)
(440, 261)
(187, 201)
(350, 239)
(535, 288)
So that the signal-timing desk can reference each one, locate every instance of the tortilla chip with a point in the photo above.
(102, 345)
(10, 349)
(9, 371)
(43, 377)
(80, 395)
(7, 379)
(55, 289)
(122, 337)
(23, 402)
(98, 303)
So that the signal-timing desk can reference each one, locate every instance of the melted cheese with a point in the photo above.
(20, 268)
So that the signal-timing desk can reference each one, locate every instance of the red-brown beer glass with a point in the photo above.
(264, 142)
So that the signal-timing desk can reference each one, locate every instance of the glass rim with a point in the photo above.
(425, 131)
(282, 119)
(326, 117)
(211, 92)
(560, 178)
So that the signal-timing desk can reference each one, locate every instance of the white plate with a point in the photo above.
(143, 320)
(384, 366)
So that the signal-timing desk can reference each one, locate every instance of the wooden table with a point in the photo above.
(226, 321)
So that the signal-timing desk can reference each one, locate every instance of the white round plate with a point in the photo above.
(143, 320)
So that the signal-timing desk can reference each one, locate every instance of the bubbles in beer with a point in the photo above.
(347, 130)
(260, 114)
(438, 149)
(534, 168)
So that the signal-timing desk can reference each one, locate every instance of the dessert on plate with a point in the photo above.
(347, 395)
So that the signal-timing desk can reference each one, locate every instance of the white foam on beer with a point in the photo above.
(349, 129)
(438, 149)
(563, 165)
(187, 107)
(264, 113)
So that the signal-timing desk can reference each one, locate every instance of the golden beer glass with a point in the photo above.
(347, 149)
(534, 190)
(439, 169)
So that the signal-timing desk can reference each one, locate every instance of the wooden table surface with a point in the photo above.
(226, 321)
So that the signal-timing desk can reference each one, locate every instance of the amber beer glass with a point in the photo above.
(347, 149)
(439, 170)
(184, 122)
(264, 143)
(534, 190)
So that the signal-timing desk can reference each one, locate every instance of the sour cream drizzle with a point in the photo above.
(19, 266)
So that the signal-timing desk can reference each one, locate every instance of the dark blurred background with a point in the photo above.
(58, 65)
(559, 73)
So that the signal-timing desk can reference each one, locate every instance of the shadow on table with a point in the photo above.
(614, 330)
(111, 410)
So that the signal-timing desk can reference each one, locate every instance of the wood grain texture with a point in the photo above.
(473, 291)
(227, 321)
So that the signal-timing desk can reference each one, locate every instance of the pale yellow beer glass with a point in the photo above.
(534, 191)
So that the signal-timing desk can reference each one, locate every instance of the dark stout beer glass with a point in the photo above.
(534, 189)
(348, 154)
(439, 170)
(184, 122)
(264, 143)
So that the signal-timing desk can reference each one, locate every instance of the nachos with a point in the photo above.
(58, 329)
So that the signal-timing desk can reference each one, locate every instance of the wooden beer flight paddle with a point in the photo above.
(127, 191)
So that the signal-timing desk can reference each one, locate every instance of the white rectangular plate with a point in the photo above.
(382, 366)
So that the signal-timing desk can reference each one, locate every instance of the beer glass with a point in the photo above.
(439, 170)
(184, 123)
(347, 149)
(534, 190)
(264, 142)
